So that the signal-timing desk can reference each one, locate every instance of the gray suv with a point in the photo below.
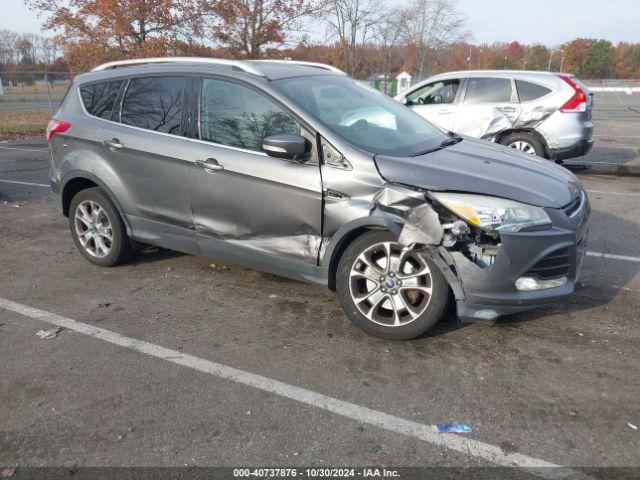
(543, 113)
(296, 169)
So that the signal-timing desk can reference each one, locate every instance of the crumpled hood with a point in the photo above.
(477, 166)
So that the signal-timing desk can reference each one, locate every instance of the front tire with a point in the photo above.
(525, 142)
(97, 229)
(388, 292)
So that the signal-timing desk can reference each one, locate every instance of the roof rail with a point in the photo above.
(323, 66)
(212, 61)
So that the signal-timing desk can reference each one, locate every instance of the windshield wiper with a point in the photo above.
(444, 144)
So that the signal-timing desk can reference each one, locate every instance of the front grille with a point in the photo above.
(554, 265)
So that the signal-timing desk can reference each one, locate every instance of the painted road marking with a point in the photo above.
(350, 410)
(614, 257)
(25, 183)
(600, 192)
(43, 149)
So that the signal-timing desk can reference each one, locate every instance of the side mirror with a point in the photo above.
(406, 101)
(291, 147)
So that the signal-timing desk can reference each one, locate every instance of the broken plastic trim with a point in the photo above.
(422, 227)
(332, 158)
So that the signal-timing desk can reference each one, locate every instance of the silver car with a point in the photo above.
(542, 113)
(296, 169)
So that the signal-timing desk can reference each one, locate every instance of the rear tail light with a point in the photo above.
(56, 126)
(578, 102)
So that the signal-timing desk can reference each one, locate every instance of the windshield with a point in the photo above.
(362, 116)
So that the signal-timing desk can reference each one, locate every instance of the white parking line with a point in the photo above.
(25, 183)
(600, 192)
(355, 412)
(44, 149)
(614, 257)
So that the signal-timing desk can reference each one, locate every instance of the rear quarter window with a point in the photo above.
(99, 98)
(530, 91)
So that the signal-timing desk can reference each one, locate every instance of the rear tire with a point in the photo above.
(398, 299)
(525, 142)
(97, 228)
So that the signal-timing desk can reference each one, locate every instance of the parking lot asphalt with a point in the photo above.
(558, 385)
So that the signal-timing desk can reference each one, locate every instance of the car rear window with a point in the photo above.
(154, 103)
(530, 91)
(481, 90)
(99, 98)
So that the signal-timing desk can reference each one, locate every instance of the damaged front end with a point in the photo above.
(497, 255)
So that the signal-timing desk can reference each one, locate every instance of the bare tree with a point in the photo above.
(48, 50)
(352, 23)
(8, 51)
(388, 36)
(430, 24)
(26, 49)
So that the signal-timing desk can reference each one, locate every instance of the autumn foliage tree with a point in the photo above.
(363, 37)
(249, 28)
(98, 30)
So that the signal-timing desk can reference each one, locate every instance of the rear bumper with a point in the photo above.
(576, 150)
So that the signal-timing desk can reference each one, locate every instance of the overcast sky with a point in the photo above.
(550, 22)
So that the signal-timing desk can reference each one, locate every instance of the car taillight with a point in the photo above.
(56, 126)
(578, 102)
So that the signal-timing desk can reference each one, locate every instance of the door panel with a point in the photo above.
(147, 155)
(489, 106)
(263, 204)
(436, 102)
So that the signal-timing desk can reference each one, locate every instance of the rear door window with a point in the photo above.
(528, 91)
(237, 116)
(154, 103)
(99, 98)
(488, 90)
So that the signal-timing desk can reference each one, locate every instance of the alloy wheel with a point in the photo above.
(390, 285)
(93, 229)
(523, 146)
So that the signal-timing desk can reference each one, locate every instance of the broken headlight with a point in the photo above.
(493, 213)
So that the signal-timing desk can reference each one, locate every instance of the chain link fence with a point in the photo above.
(33, 89)
(28, 99)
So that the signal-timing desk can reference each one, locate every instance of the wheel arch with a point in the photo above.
(75, 182)
(531, 131)
(347, 234)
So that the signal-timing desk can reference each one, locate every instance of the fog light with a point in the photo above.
(531, 284)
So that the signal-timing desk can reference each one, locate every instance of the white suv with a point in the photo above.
(543, 113)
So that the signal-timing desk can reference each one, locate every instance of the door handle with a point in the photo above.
(113, 144)
(210, 164)
(444, 111)
(507, 109)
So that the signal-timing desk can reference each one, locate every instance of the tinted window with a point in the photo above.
(154, 103)
(361, 115)
(530, 91)
(233, 115)
(439, 92)
(481, 90)
(100, 98)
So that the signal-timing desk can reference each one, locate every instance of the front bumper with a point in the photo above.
(489, 292)
(576, 150)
